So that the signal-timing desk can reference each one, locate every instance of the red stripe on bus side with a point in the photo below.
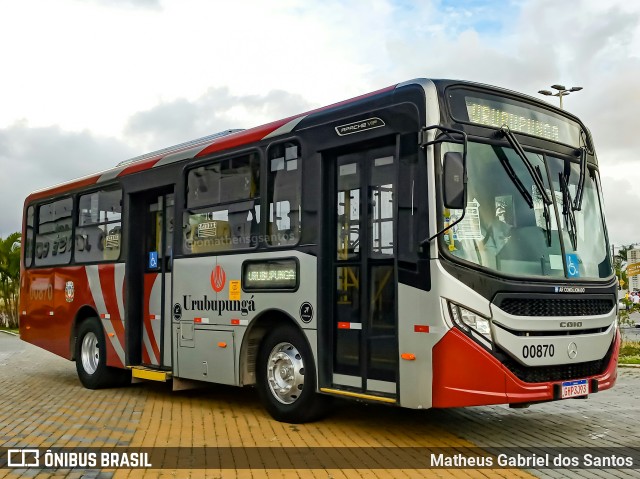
(149, 281)
(108, 286)
(243, 138)
(141, 166)
(62, 188)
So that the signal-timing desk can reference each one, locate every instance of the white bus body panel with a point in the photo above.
(200, 333)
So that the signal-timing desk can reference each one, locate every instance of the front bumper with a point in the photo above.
(465, 374)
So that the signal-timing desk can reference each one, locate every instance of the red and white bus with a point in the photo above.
(432, 244)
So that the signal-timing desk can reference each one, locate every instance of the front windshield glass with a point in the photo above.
(502, 232)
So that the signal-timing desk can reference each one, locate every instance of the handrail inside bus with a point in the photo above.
(181, 146)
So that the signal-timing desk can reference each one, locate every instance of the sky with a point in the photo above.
(85, 84)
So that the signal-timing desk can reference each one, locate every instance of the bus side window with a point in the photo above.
(99, 235)
(53, 236)
(223, 203)
(284, 194)
(28, 242)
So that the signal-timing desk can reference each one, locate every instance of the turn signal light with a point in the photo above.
(408, 356)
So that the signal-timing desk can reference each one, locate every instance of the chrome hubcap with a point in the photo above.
(285, 373)
(90, 353)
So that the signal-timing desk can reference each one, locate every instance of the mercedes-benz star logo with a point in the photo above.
(572, 350)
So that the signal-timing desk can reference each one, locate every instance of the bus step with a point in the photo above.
(365, 397)
(141, 373)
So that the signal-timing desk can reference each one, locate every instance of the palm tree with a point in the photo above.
(622, 252)
(10, 277)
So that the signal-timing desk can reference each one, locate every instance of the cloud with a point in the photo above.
(35, 158)
(621, 204)
(180, 120)
(143, 4)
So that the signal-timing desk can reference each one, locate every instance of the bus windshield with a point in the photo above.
(502, 232)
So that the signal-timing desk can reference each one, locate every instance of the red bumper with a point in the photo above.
(465, 374)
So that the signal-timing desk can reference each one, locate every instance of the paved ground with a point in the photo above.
(43, 405)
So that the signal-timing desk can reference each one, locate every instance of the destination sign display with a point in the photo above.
(495, 111)
(270, 274)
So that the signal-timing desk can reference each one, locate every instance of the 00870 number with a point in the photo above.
(538, 351)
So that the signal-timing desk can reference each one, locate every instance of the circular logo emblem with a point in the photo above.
(306, 312)
(572, 350)
(69, 291)
(218, 278)
(177, 311)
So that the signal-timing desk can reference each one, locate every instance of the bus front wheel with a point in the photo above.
(91, 358)
(286, 377)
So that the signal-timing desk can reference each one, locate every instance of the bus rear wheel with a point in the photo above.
(91, 358)
(286, 377)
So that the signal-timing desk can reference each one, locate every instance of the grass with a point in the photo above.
(629, 352)
(11, 330)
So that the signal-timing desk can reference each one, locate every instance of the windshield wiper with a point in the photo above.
(535, 175)
(568, 211)
(546, 214)
(512, 174)
(577, 204)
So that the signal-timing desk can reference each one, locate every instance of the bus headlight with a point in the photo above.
(478, 326)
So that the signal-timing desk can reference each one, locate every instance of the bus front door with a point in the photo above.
(364, 273)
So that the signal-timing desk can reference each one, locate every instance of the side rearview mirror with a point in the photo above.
(454, 181)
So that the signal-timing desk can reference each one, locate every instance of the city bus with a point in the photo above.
(435, 243)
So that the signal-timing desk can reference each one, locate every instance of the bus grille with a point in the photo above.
(563, 372)
(555, 373)
(556, 307)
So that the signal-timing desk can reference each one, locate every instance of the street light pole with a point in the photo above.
(561, 91)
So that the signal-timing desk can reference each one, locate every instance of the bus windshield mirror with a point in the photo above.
(454, 186)
(454, 181)
(523, 156)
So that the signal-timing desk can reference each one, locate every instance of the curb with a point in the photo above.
(632, 366)
(8, 332)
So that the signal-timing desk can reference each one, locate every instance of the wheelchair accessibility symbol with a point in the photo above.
(153, 260)
(572, 266)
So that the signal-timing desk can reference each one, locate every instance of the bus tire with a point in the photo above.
(91, 358)
(286, 377)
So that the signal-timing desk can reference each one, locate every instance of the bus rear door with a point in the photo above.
(155, 233)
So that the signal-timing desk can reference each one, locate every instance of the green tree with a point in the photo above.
(10, 278)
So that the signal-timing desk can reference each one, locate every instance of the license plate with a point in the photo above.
(571, 389)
